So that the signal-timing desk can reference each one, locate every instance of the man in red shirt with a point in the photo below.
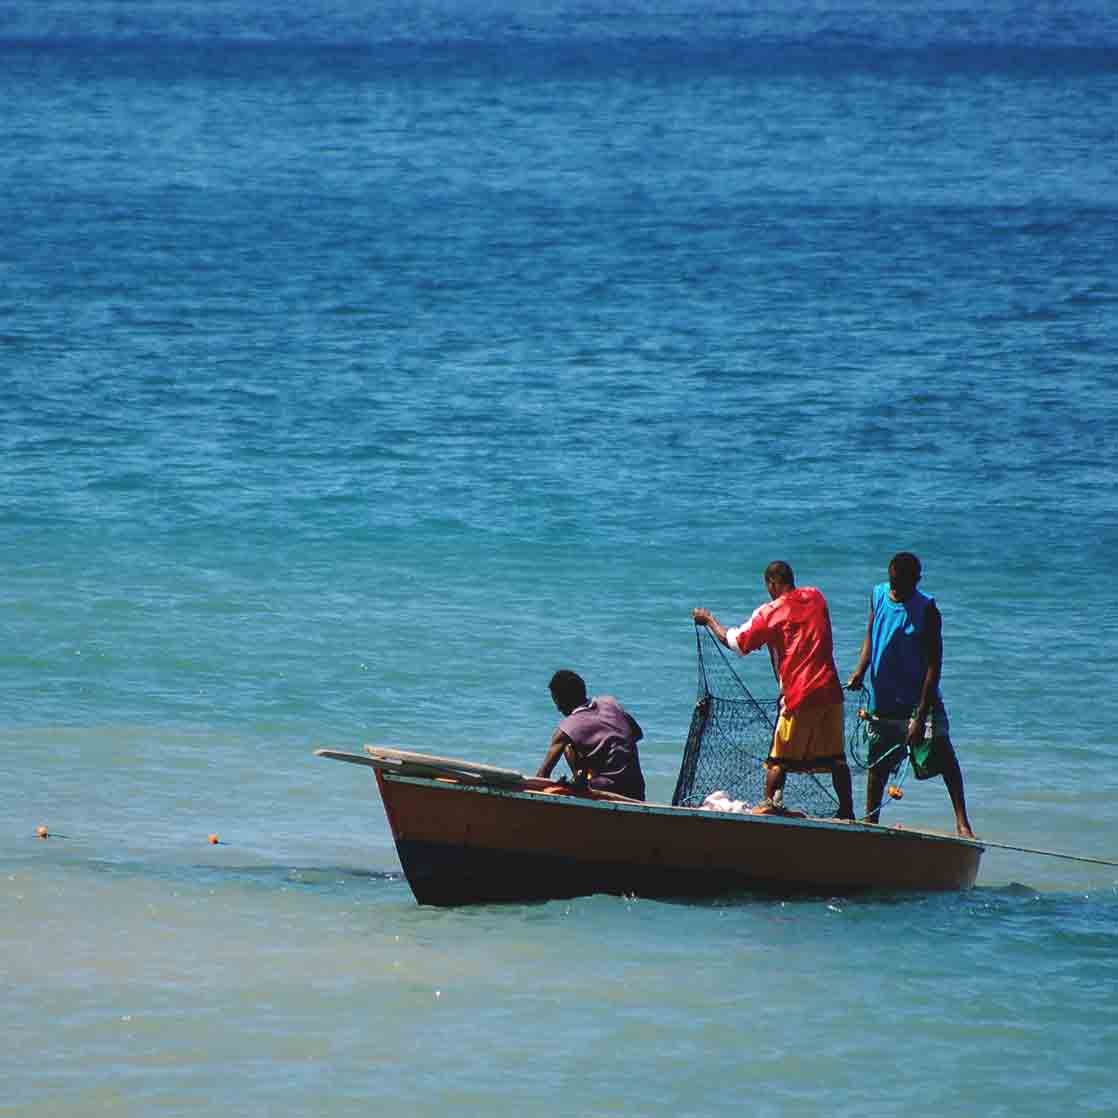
(796, 627)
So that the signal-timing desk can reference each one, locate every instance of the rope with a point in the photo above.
(1046, 853)
(857, 744)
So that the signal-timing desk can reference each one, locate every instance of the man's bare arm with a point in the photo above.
(559, 742)
(854, 683)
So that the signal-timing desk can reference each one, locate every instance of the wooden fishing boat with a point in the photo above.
(469, 833)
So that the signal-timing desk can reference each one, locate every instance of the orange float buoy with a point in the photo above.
(213, 840)
(42, 832)
(895, 793)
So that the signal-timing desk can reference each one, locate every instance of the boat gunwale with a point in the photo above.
(541, 797)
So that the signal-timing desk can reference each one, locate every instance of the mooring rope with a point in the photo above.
(1045, 853)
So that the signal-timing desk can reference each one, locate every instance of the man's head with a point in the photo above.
(904, 574)
(567, 690)
(779, 578)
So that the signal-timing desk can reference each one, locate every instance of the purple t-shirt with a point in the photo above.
(605, 736)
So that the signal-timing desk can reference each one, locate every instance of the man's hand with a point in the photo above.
(854, 683)
(703, 616)
(915, 731)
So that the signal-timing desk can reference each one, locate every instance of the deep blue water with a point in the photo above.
(361, 365)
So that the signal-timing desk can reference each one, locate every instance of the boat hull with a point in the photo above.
(466, 843)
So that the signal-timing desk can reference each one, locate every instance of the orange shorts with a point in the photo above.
(809, 740)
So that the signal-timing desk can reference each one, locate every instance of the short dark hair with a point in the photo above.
(907, 562)
(779, 571)
(568, 688)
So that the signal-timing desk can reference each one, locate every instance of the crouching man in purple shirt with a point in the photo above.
(597, 737)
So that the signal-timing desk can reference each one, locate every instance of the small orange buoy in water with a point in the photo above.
(895, 793)
(213, 840)
(42, 832)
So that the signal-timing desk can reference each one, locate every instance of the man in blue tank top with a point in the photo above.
(903, 655)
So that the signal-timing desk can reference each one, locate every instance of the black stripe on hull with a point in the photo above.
(445, 874)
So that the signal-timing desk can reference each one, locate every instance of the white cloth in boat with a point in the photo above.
(720, 801)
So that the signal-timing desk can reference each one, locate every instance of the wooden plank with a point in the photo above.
(352, 758)
(428, 764)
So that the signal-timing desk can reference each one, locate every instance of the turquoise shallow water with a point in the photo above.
(360, 367)
(288, 990)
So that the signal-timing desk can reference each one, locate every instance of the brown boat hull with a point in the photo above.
(463, 843)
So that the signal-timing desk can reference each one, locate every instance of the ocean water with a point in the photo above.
(362, 364)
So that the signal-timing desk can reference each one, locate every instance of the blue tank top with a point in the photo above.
(898, 661)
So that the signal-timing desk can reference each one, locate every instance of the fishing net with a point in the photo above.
(729, 739)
